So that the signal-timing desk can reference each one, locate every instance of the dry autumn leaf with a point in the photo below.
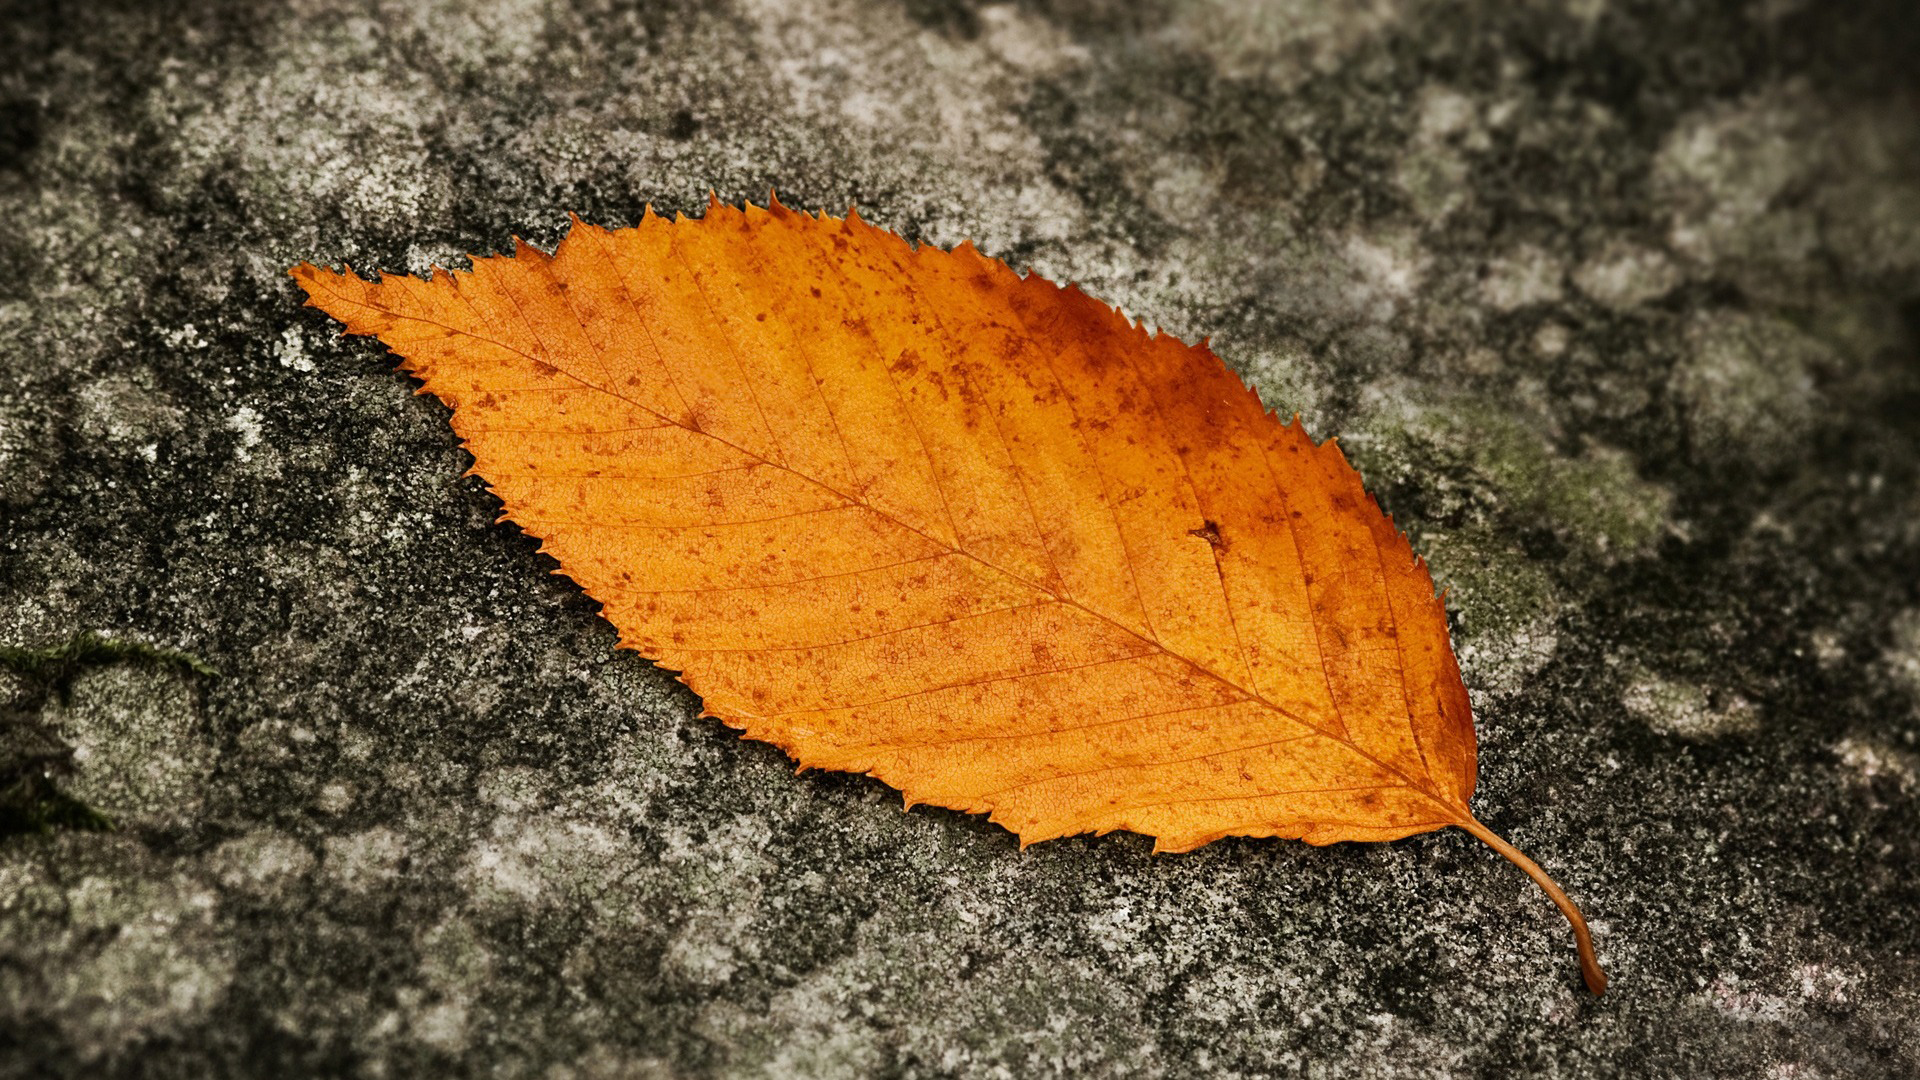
(904, 512)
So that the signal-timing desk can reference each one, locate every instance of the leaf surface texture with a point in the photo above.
(905, 512)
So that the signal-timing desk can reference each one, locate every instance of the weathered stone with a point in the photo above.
(1616, 307)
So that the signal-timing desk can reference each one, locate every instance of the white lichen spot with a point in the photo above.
(261, 863)
(1283, 42)
(490, 37)
(454, 958)
(942, 103)
(291, 350)
(1622, 276)
(187, 336)
(1388, 269)
(1224, 995)
(355, 744)
(1770, 11)
(442, 1026)
(1501, 663)
(422, 259)
(1500, 113)
(514, 789)
(1872, 761)
(701, 959)
(127, 409)
(334, 799)
(1116, 929)
(245, 424)
(1829, 648)
(143, 753)
(13, 446)
(1728, 171)
(296, 136)
(1729, 998)
(1290, 380)
(1180, 186)
(1748, 385)
(144, 958)
(1902, 657)
(1688, 710)
(1433, 170)
(1551, 340)
(364, 861)
(1525, 276)
(1443, 112)
(1027, 42)
(1827, 984)
(525, 862)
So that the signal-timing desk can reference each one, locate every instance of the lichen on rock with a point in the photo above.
(1613, 305)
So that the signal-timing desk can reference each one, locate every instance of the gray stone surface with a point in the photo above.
(1617, 306)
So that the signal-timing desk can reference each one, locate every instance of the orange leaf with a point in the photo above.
(905, 512)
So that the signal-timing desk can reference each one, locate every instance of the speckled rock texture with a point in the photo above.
(1616, 306)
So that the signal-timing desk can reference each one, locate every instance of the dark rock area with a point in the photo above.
(1616, 306)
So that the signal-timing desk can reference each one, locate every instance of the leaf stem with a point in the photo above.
(1589, 963)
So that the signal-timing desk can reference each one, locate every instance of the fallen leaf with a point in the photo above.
(904, 512)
